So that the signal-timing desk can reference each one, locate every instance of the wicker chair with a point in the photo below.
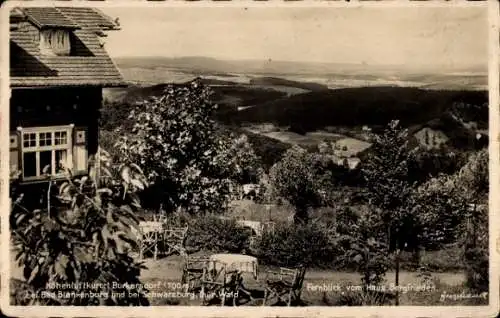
(285, 285)
(218, 282)
(149, 237)
(174, 240)
(192, 272)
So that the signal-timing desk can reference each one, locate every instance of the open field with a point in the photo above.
(289, 137)
(294, 138)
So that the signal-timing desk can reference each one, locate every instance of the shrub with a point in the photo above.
(449, 259)
(477, 269)
(217, 235)
(248, 210)
(81, 233)
(361, 245)
(299, 178)
(289, 245)
(114, 115)
(107, 140)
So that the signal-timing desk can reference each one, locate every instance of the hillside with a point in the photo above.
(357, 106)
(308, 118)
(229, 96)
(276, 81)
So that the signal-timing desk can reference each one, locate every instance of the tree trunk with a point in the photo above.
(416, 256)
(397, 276)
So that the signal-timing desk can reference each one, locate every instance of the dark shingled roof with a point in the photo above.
(88, 64)
(89, 18)
(48, 18)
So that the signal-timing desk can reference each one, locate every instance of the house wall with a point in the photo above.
(47, 107)
(58, 106)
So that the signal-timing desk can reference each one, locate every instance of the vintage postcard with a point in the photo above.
(249, 159)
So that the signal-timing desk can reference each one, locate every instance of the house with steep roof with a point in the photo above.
(58, 68)
(429, 138)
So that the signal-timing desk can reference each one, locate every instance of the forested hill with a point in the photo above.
(359, 106)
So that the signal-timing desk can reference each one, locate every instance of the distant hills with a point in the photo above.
(157, 70)
(208, 64)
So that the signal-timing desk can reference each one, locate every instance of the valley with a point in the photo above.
(279, 105)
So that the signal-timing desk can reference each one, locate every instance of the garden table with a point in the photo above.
(235, 262)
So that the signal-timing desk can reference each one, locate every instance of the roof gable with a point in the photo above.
(89, 64)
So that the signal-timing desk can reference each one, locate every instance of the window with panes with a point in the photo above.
(46, 151)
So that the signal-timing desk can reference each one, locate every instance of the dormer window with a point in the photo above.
(55, 42)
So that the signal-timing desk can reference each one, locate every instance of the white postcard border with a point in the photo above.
(195, 311)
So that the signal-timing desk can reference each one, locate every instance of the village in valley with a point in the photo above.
(170, 179)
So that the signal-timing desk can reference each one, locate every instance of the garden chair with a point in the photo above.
(192, 272)
(285, 285)
(175, 239)
(212, 281)
(218, 282)
(250, 293)
(149, 236)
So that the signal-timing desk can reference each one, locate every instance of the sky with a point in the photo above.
(420, 36)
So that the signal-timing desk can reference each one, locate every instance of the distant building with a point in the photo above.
(482, 134)
(350, 147)
(346, 151)
(430, 138)
(353, 163)
(58, 67)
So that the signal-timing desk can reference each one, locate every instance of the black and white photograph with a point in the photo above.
(222, 157)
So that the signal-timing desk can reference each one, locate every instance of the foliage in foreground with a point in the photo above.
(188, 161)
(473, 183)
(454, 209)
(82, 234)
